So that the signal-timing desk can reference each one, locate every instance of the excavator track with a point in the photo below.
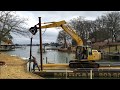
(83, 64)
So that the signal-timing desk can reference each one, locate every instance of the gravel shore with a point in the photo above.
(15, 68)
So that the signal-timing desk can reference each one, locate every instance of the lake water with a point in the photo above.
(53, 56)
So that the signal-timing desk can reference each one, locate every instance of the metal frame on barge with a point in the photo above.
(63, 71)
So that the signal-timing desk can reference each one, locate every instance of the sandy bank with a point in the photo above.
(15, 68)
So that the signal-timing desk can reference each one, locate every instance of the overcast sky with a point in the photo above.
(49, 16)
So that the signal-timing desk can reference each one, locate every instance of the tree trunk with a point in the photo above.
(65, 43)
(0, 42)
(115, 38)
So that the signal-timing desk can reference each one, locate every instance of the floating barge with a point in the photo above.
(62, 71)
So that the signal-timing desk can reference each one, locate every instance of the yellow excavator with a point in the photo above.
(84, 58)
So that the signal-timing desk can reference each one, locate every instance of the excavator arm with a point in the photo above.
(66, 28)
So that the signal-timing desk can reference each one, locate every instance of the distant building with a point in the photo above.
(6, 46)
(118, 38)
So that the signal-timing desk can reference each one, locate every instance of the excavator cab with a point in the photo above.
(82, 52)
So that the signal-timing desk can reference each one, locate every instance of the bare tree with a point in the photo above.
(82, 27)
(113, 24)
(99, 31)
(104, 27)
(63, 36)
(10, 22)
(78, 25)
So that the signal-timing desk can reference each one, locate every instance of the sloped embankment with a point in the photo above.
(15, 68)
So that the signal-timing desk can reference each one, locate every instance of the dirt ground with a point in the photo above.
(15, 68)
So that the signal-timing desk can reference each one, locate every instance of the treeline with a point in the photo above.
(105, 27)
(44, 44)
(11, 23)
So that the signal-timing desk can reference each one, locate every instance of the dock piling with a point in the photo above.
(66, 60)
(46, 60)
(66, 73)
(91, 74)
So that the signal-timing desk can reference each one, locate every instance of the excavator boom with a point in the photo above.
(67, 29)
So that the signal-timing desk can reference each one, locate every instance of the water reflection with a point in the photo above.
(53, 56)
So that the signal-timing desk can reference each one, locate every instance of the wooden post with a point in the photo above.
(66, 60)
(30, 54)
(40, 34)
(46, 60)
(109, 48)
(91, 74)
(66, 73)
(44, 48)
(115, 47)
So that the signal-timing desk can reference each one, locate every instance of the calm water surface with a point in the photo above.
(53, 56)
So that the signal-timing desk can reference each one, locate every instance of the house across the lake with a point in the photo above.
(5, 46)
